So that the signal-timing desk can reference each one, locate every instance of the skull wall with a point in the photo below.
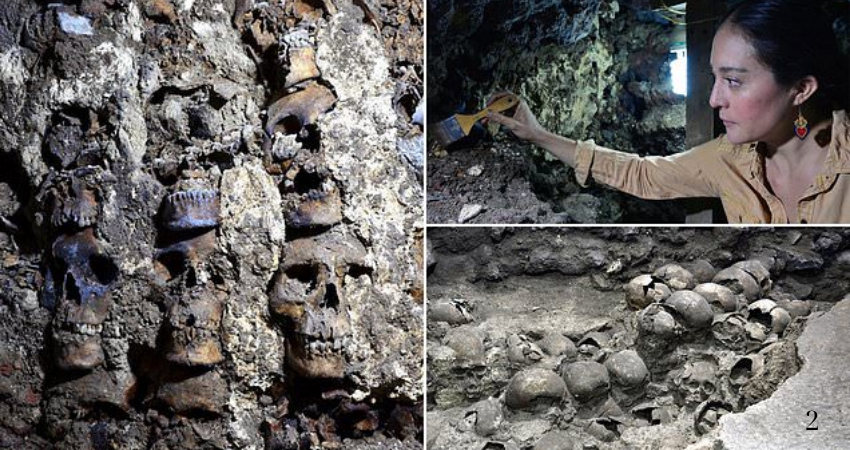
(166, 167)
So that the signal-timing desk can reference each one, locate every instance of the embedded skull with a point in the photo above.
(698, 382)
(78, 283)
(657, 320)
(708, 415)
(586, 380)
(692, 308)
(739, 281)
(521, 350)
(767, 313)
(556, 344)
(308, 294)
(745, 368)
(468, 345)
(676, 277)
(758, 271)
(645, 289)
(721, 298)
(730, 330)
(627, 370)
(193, 327)
(533, 387)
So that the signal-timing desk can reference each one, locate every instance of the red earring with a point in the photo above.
(801, 125)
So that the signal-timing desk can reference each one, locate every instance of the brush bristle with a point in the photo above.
(447, 131)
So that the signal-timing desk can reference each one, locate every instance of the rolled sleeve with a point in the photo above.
(685, 174)
(584, 160)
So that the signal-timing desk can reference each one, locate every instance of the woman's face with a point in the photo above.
(752, 105)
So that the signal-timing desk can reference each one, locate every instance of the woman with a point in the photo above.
(781, 87)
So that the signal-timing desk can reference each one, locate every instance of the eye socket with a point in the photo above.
(732, 82)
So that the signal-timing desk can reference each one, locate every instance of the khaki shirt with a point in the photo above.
(734, 173)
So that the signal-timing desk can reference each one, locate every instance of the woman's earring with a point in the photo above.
(801, 125)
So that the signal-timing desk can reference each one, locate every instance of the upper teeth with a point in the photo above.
(84, 328)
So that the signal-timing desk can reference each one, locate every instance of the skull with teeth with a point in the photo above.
(78, 284)
(308, 296)
(698, 382)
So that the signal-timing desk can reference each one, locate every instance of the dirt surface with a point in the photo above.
(508, 182)
(534, 339)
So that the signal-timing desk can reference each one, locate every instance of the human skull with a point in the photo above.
(593, 343)
(692, 308)
(745, 368)
(676, 277)
(627, 370)
(644, 290)
(708, 415)
(698, 382)
(767, 313)
(78, 281)
(721, 298)
(730, 329)
(586, 380)
(556, 344)
(468, 345)
(759, 272)
(533, 387)
(193, 327)
(756, 335)
(521, 350)
(654, 412)
(739, 281)
(308, 296)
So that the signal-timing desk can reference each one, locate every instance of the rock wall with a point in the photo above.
(589, 70)
(210, 224)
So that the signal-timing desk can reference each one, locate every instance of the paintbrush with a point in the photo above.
(458, 126)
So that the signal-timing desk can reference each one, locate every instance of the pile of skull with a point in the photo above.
(690, 353)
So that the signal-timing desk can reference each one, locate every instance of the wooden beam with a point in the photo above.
(702, 18)
(702, 121)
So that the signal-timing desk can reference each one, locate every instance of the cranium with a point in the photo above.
(654, 412)
(730, 329)
(309, 295)
(79, 282)
(676, 277)
(521, 350)
(708, 415)
(556, 344)
(193, 327)
(721, 298)
(759, 272)
(692, 308)
(745, 368)
(529, 388)
(593, 344)
(455, 312)
(767, 313)
(756, 335)
(657, 320)
(645, 289)
(698, 382)
(703, 270)
(468, 345)
(627, 370)
(586, 380)
(739, 281)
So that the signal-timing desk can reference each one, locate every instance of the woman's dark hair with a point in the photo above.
(794, 39)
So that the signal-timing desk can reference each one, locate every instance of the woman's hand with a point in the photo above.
(523, 124)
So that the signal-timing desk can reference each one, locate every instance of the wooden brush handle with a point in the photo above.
(502, 104)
